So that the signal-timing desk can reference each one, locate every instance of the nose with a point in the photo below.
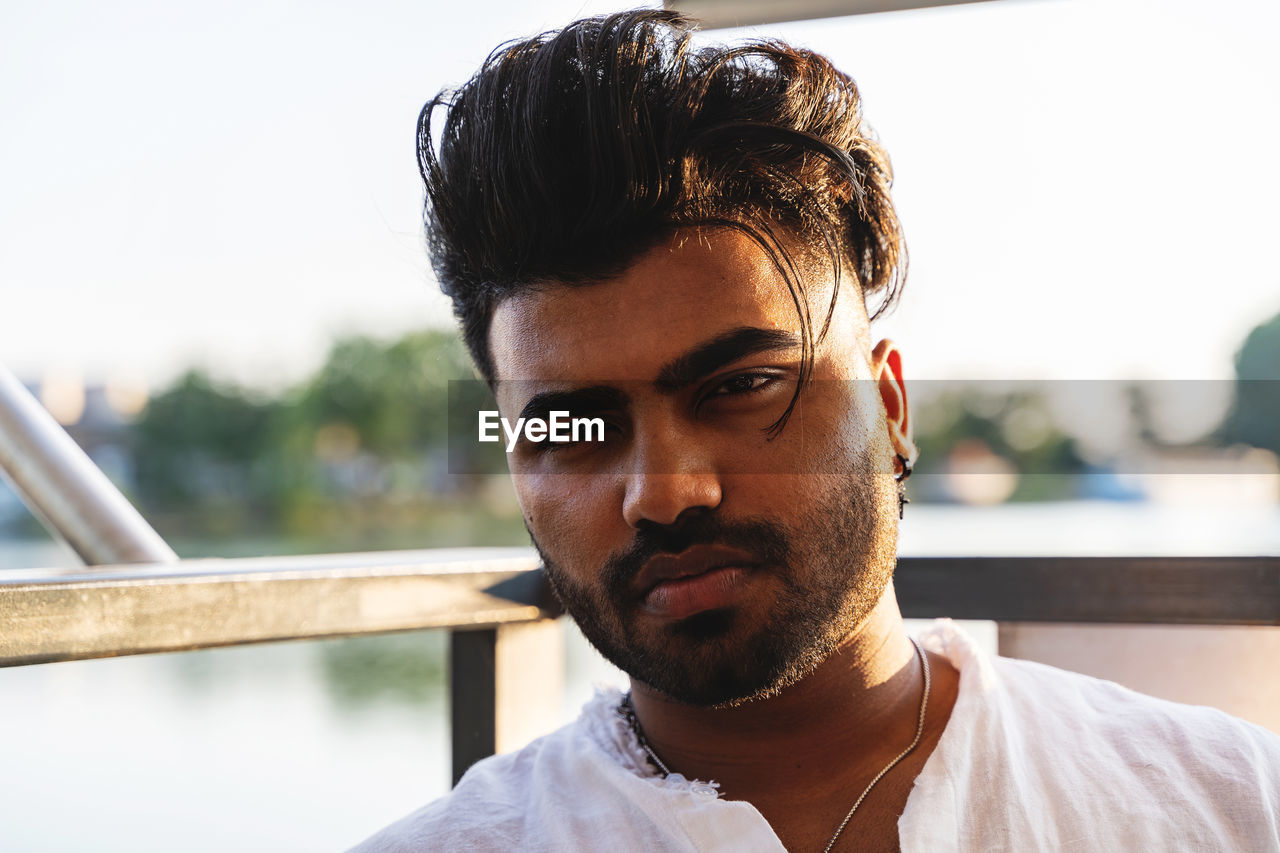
(661, 498)
(668, 477)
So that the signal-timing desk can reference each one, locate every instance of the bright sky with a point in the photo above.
(1088, 187)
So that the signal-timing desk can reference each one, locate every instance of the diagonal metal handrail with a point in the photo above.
(65, 489)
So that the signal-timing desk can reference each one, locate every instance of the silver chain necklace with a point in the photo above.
(627, 710)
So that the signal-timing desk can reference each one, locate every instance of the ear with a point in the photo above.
(886, 369)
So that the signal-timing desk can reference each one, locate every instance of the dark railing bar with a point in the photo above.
(1134, 590)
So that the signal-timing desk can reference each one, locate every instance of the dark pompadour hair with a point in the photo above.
(569, 154)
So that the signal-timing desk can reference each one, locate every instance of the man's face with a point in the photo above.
(707, 557)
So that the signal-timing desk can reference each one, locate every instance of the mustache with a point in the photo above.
(767, 542)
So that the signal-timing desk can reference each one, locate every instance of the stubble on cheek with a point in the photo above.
(562, 516)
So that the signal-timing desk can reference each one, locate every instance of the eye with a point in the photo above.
(742, 384)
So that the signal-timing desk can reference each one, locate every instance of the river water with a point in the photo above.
(310, 746)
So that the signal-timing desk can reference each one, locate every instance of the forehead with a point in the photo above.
(675, 296)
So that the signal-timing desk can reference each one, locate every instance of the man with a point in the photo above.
(690, 244)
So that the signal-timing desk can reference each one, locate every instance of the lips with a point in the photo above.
(702, 577)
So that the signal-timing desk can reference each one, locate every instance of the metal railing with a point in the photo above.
(504, 658)
(493, 602)
(59, 614)
(65, 490)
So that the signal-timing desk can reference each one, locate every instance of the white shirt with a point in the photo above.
(1032, 759)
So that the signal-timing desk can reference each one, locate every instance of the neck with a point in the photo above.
(852, 713)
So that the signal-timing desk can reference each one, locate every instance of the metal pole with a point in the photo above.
(506, 687)
(61, 485)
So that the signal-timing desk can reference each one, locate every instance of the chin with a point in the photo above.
(714, 660)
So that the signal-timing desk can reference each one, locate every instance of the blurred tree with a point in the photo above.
(368, 428)
(1015, 426)
(1255, 414)
(197, 439)
(392, 398)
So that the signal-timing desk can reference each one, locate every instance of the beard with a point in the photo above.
(829, 571)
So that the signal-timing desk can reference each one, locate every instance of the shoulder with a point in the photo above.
(1194, 766)
(1086, 756)
(1053, 708)
(1081, 706)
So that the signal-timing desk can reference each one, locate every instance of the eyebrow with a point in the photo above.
(723, 349)
(578, 402)
(680, 372)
